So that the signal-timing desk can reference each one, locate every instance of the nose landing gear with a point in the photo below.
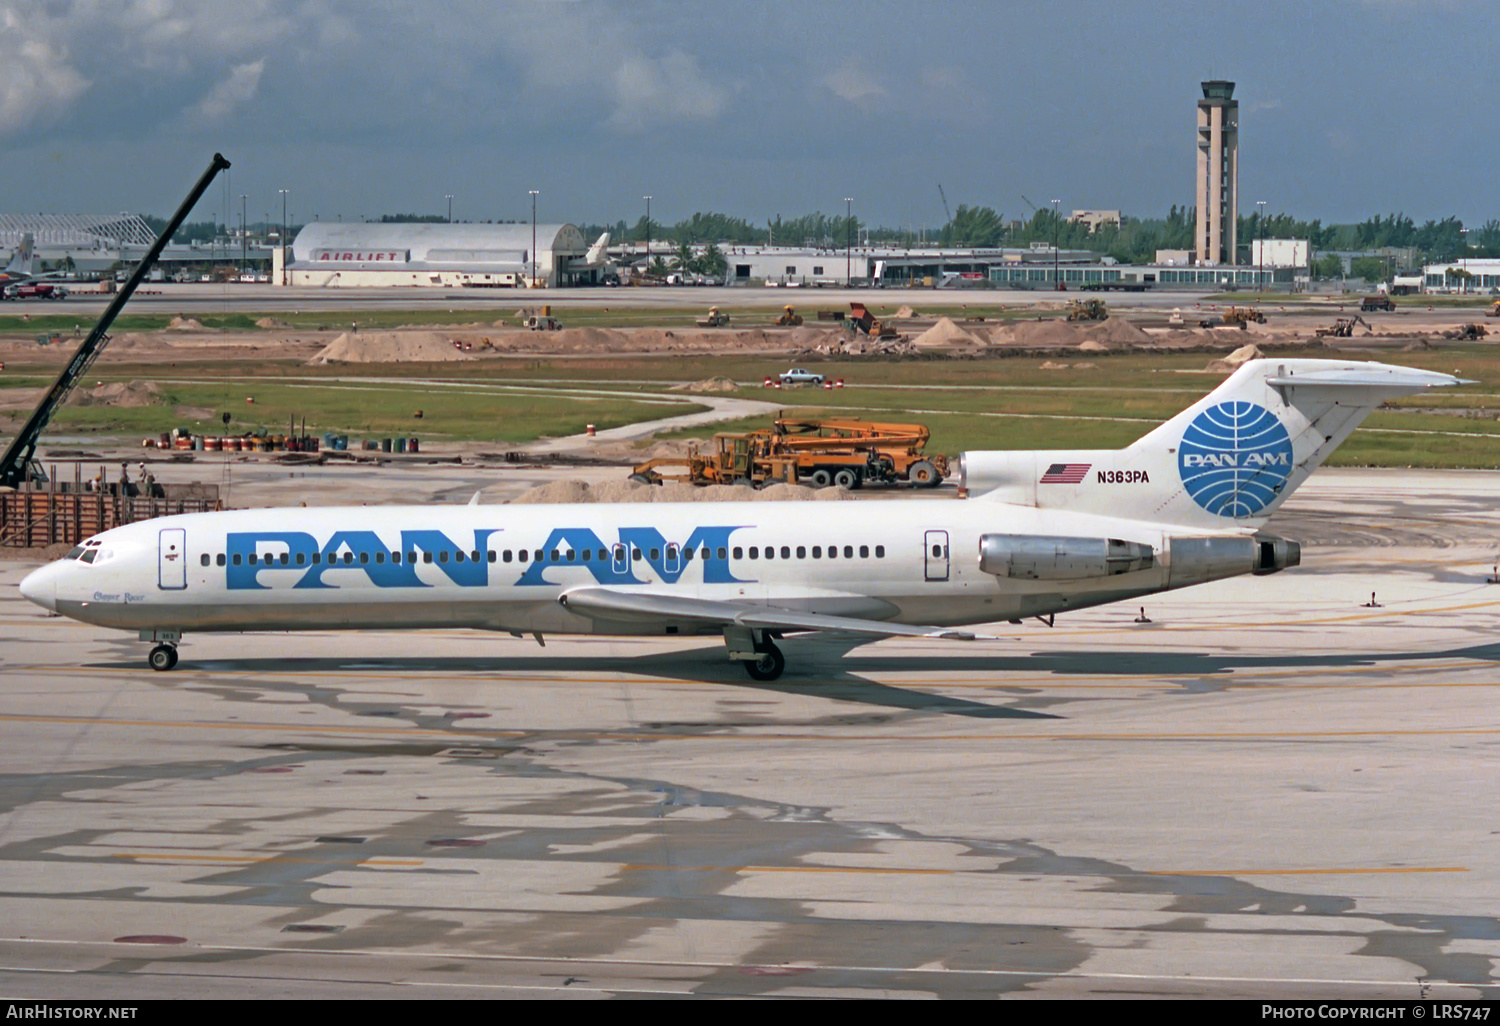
(163, 657)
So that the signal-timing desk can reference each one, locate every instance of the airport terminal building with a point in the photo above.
(330, 254)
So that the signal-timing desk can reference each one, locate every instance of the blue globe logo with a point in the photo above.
(1234, 459)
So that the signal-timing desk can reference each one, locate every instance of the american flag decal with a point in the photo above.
(1066, 473)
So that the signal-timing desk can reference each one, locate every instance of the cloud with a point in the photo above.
(238, 89)
(36, 78)
(664, 91)
(853, 84)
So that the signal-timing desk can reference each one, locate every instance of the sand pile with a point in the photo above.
(184, 324)
(945, 333)
(1233, 361)
(905, 313)
(1044, 333)
(270, 322)
(120, 393)
(587, 338)
(707, 385)
(389, 347)
(1117, 331)
(1089, 345)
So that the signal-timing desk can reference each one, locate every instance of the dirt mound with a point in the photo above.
(1052, 365)
(1089, 345)
(270, 322)
(945, 333)
(585, 338)
(184, 324)
(1233, 361)
(1044, 333)
(120, 393)
(707, 385)
(1117, 331)
(555, 491)
(905, 313)
(388, 347)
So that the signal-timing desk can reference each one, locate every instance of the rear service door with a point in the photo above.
(172, 560)
(937, 555)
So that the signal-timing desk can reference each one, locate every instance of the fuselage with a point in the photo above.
(507, 567)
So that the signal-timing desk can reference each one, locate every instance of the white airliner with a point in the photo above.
(1042, 533)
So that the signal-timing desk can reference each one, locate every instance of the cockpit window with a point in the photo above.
(88, 555)
(74, 552)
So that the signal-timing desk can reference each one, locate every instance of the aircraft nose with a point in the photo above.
(40, 586)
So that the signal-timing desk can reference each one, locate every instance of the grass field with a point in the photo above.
(968, 404)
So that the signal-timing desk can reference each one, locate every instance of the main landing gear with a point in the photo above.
(163, 657)
(769, 664)
(757, 650)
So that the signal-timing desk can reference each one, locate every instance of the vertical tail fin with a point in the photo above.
(20, 263)
(1229, 460)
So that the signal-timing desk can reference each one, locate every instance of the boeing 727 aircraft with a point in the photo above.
(1042, 533)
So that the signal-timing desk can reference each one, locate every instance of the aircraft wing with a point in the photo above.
(610, 604)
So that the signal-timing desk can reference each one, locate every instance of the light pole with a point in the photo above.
(284, 194)
(1056, 273)
(648, 233)
(533, 237)
(450, 208)
(848, 240)
(244, 237)
(1260, 250)
(1465, 283)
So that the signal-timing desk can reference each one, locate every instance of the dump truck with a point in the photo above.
(1369, 303)
(861, 319)
(849, 453)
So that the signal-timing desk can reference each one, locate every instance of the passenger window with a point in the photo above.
(301, 559)
(786, 552)
(317, 558)
(801, 551)
(219, 559)
(411, 557)
(880, 552)
(818, 551)
(474, 555)
(864, 551)
(458, 557)
(395, 557)
(254, 557)
(604, 555)
(505, 556)
(364, 557)
(541, 555)
(655, 554)
(556, 556)
(723, 554)
(205, 559)
(427, 557)
(236, 559)
(443, 556)
(492, 555)
(635, 553)
(348, 559)
(285, 559)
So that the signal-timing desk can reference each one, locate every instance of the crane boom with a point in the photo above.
(19, 462)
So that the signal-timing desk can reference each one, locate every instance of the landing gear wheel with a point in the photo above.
(769, 664)
(846, 478)
(821, 479)
(163, 657)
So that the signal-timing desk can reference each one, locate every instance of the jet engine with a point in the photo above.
(1040, 558)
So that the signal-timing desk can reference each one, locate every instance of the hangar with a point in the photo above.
(331, 254)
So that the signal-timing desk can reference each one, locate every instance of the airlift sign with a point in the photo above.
(1235, 459)
(298, 558)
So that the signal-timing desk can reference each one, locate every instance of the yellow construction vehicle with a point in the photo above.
(849, 453)
(1243, 315)
(1493, 311)
(714, 319)
(789, 318)
(1087, 310)
(861, 319)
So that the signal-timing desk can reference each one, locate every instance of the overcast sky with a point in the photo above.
(1347, 107)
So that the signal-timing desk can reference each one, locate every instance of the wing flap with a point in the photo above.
(608, 604)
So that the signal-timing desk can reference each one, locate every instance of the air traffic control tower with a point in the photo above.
(1218, 185)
